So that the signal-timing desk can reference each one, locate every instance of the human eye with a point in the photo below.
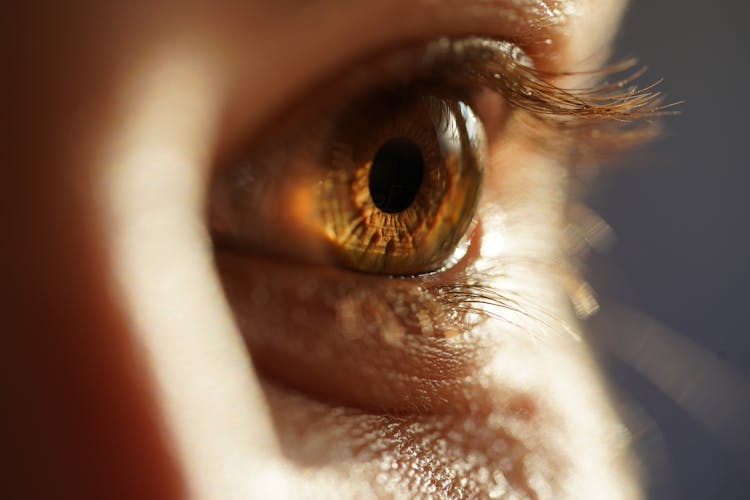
(386, 184)
(391, 188)
(387, 254)
(389, 183)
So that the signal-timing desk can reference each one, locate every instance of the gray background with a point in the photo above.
(682, 217)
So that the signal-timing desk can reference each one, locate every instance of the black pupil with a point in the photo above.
(396, 175)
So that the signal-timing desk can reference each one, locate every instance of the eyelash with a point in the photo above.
(612, 115)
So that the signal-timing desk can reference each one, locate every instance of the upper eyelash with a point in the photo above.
(587, 122)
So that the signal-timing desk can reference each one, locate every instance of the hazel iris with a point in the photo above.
(403, 186)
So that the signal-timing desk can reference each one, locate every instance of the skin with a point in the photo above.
(128, 369)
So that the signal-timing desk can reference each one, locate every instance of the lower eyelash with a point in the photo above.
(476, 297)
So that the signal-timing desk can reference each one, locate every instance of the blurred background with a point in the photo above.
(681, 213)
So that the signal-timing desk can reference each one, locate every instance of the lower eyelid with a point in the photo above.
(375, 343)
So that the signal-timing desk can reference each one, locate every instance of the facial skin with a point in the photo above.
(131, 359)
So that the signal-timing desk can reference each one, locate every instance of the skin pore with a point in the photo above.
(165, 358)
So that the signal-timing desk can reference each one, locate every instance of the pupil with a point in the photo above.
(396, 175)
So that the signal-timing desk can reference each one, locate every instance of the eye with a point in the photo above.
(391, 187)
(404, 183)
(344, 191)
(390, 183)
(382, 175)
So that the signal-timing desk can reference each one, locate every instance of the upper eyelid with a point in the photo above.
(310, 44)
(606, 113)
